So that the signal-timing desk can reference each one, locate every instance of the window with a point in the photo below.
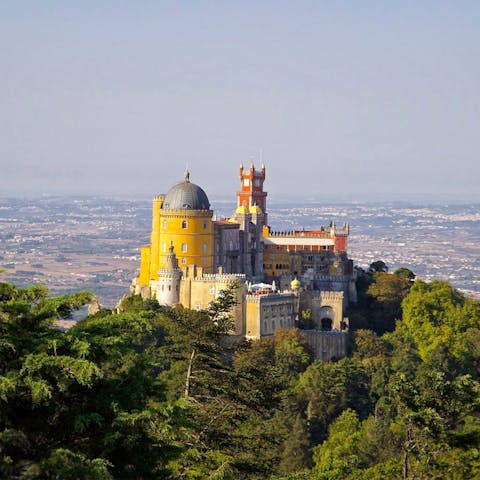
(197, 305)
(184, 247)
(205, 225)
(184, 260)
(184, 224)
(246, 182)
(165, 224)
(164, 247)
(212, 289)
(205, 248)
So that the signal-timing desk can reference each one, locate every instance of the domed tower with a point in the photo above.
(182, 219)
(186, 223)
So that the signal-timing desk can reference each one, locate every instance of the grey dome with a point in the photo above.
(186, 196)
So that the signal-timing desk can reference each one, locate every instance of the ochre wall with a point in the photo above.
(144, 276)
(198, 237)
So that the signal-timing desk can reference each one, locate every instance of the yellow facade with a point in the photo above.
(144, 276)
(189, 231)
(155, 237)
(191, 234)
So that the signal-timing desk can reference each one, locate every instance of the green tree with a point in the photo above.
(378, 266)
(337, 457)
(296, 448)
(405, 273)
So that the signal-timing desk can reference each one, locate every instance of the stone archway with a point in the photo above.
(326, 316)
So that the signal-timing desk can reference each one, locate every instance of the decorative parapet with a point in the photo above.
(185, 212)
(333, 278)
(221, 277)
(329, 295)
(323, 232)
(300, 234)
(167, 272)
(259, 298)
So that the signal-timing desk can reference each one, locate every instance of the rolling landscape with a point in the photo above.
(93, 243)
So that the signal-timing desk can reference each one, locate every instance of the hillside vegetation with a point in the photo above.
(156, 393)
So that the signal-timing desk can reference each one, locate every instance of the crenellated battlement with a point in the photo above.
(329, 295)
(268, 297)
(324, 232)
(187, 213)
(220, 277)
(166, 272)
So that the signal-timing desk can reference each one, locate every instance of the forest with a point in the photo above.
(148, 392)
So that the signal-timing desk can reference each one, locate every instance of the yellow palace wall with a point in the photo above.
(189, 231)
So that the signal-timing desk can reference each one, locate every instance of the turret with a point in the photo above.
(167, 288)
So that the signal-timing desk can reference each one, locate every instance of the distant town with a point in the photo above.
(92, 243)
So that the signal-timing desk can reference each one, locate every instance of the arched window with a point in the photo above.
(205, 248)
(165, 224)
(184, 224)
(184, 247)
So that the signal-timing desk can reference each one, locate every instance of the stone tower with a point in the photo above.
(251, 189)
(181, 218)
(167, 288)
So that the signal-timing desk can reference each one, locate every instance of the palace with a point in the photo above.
(279, 277)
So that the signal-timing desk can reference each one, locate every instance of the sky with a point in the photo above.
(339, 99)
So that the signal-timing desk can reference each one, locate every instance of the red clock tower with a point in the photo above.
(251, 189)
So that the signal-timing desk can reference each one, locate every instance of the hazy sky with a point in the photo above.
(343, 97)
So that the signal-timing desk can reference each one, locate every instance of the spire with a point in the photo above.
(171, 260)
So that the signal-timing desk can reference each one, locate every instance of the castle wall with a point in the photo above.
(227, 247)
(144, 275)
(267, 313)
(327, 345)
(196, 292)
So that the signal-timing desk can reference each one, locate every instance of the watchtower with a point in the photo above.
(251, 189)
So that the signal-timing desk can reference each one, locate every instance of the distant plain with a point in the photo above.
(93, 243)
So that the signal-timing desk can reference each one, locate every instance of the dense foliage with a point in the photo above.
(148, 392)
